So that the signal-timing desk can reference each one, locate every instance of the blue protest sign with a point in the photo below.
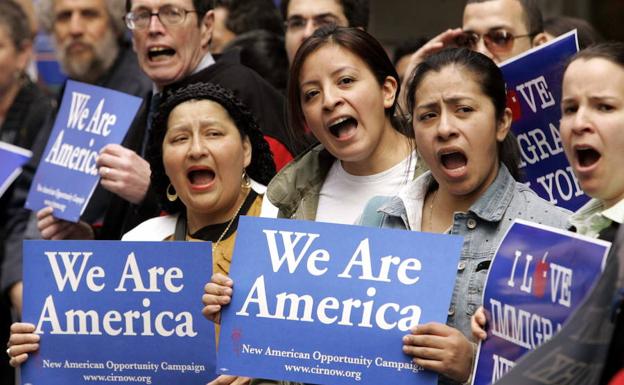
(12, 158)
(89, 118)
(534, 95)
(537, 278)
(329, 304)
(118, 312)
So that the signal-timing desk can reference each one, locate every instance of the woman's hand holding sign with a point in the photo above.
(440, 348)
(217, 293)
(477, 324)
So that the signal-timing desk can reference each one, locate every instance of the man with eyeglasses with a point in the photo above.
(502, 29)
(171, 39)
(171, 42)
(303, 17)
(499, 29)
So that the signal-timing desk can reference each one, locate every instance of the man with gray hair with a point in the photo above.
(89, 36)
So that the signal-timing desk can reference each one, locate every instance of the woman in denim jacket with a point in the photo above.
(461, 123)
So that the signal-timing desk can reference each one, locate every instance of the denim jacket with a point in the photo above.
(483, 227)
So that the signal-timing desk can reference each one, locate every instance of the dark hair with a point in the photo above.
(612, 51)
(356, 11)
(261, 168)
(263, 52)
(361, 44)
(15, 23)
(559, 25)
(533, 19)
(490, 78)
(247, 15)
(201, 7)
(407, 47)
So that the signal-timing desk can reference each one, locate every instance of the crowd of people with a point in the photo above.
(298, 112)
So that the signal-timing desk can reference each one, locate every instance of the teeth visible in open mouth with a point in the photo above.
(160, 51)
(343, 127)
(453, 160)
(200, 177)
(587, 156)
(343, 119)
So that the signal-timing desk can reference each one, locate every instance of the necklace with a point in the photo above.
(216, 244)
(435, 193)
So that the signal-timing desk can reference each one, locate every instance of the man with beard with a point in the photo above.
(89, 36)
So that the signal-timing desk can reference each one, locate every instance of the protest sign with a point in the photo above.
(584, 351)
(89, 118)
(534, 95)
(118, 312)
(12, 158)
(329, 304)
(537, 278)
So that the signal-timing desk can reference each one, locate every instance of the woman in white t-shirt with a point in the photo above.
(343, 89)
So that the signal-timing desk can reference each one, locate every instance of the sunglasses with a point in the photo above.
(496, 40)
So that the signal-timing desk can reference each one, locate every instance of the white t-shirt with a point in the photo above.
(344, 196)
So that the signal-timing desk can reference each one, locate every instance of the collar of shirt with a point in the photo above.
(205, 62)
(616, 212)
(490, 206)
(592, 218)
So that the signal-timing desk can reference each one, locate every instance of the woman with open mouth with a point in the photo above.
(462, 130)
(592, 117)
(210, 164)
(343, 90)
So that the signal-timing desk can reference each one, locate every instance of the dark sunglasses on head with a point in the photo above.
(496, 40)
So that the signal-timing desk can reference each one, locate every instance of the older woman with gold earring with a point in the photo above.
(209, 163)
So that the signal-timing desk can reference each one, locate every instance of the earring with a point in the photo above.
(246, 181)
(171, 196)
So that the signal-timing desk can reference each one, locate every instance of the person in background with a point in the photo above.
(263, 52)
(499, 29)
(462, 128)
(592, 118)
(558, 25)
(91, 47)
(29, 9)
(237, 17)
(24, 108)
(171, 43)
(403, 53)
(502, 29)
(303, 17)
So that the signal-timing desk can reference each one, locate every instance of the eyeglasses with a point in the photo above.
(496, 40)
(298, 23)
(168, 15)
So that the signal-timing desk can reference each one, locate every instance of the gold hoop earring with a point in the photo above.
(246, 181)
(171, 196)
